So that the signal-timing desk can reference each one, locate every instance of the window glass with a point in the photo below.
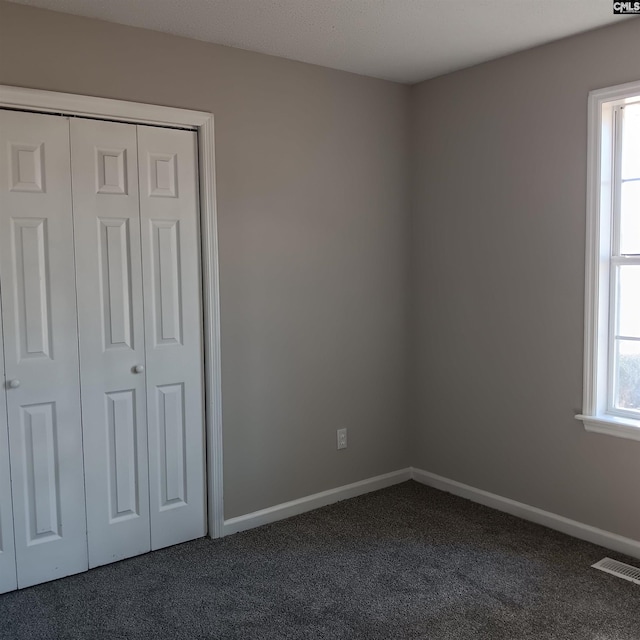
(630, 217)
(631, 142)
(627, 375)
(629, 301)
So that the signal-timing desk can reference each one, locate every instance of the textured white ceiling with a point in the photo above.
(402, 40)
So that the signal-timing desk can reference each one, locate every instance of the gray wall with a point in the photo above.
(498, 274)
(313, 220)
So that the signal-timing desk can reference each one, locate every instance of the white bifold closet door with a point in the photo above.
(109, 276)
(8, 577)
(173, 333)
(37, 280)
(137, 260)
(102, 446)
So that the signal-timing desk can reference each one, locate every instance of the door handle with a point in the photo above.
(13, 384)
(138, 368)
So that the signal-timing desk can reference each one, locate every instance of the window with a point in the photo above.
(612, 293)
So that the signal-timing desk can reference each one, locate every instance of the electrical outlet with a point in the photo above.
(342, 438)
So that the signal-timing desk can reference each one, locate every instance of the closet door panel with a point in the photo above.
(110, 315)
(41, 347)
(173, 333)
(8, 578)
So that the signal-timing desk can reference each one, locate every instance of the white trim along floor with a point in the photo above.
(573, 528)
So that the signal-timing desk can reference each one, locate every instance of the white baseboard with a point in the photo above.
(573, 528)
(308, 503)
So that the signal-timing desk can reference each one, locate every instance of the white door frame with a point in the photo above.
(69, 104)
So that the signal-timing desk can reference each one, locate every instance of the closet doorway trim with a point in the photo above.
(69, 104)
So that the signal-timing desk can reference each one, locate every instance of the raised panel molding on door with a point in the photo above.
(124, 497)
(112, 345)
(8, 578)
(32, 287)
(173, 332)
(114, 267)
(39, 431)
(167, 294)
(26, 167)
(172, 444)
(41, 353)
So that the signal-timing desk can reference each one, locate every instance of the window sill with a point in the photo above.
(612, 426)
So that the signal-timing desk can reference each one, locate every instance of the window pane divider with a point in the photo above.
(631, 260)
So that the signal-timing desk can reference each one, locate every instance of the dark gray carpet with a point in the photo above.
(405, 562)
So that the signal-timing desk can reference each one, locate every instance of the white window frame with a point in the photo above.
(603, 139)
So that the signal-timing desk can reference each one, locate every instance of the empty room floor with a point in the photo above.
(404, 562)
